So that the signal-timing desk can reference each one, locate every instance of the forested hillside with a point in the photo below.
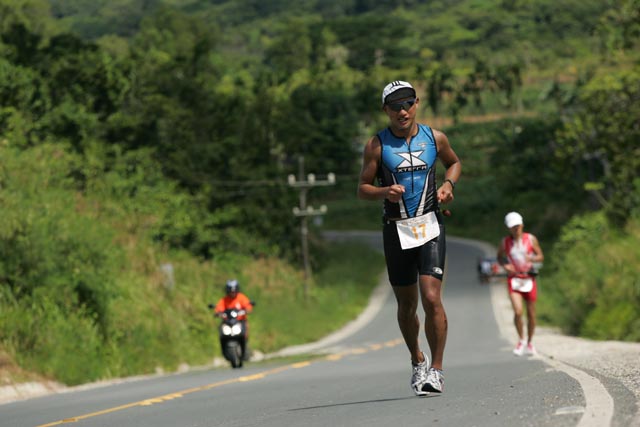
(136, 134)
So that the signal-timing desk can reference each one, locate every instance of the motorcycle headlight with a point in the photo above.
(236, 329)
(226, 329)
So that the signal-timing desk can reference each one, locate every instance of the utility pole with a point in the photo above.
(303, 211)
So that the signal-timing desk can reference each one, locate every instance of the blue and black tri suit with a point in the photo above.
(413, 166)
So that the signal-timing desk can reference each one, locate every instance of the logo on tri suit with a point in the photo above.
(437, 270)
(412, 162)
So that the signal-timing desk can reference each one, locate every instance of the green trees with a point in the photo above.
(598, 143)
(603, 132)
(619, 28)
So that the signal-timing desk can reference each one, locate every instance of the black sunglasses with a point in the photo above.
(404, 105)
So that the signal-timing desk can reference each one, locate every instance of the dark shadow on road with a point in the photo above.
(364, 402)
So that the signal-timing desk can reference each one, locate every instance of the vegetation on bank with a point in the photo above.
(594, 286)
(88, 294)
(144, 161)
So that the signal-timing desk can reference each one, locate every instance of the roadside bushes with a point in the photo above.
(50, 339)
(55, 267)
(82, 296)
(594, 286)
(83, 292)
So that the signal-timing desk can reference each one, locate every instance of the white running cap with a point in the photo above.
(405, 91)
(512, 219)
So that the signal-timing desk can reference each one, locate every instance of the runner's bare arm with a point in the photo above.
(503, 260)
(539, 256)
(370, 162)
(452, 164)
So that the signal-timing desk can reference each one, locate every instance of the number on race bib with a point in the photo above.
(423, 231)
(417, 231)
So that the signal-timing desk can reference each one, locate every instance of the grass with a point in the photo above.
(338, 292)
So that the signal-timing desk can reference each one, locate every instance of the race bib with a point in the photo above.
(522, 284)
(417, 231)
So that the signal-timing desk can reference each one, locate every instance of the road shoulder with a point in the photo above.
(589, 362)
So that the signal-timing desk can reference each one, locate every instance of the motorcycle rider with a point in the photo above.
(234, 299)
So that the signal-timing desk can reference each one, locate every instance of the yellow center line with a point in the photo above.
(254, 377)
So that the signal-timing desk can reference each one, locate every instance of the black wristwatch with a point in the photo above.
(453, 184)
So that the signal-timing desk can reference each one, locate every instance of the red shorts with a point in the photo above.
(528, 296)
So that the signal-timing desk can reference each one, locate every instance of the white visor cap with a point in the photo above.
(395, 86)
(512, 219)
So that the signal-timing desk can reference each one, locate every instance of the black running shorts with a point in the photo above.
(404, 266)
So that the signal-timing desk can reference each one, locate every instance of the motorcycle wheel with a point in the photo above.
(233, 353)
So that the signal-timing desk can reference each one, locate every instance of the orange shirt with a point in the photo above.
(240, 302)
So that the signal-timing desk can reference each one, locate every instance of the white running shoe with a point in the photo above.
(435, 381)
(419, 376)
(519, 350)
(531, 350)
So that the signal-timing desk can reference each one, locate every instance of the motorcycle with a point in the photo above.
(489, 267)
(233, 336)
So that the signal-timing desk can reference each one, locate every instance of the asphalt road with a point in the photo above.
(363, 380)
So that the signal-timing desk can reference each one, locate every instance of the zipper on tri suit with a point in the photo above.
(411, 161)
